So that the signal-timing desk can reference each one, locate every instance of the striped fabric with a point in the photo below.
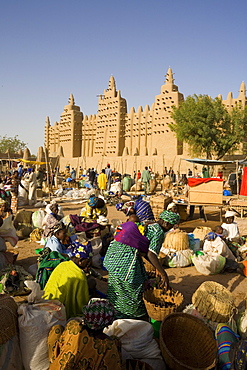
(143, 210)
(225, 337)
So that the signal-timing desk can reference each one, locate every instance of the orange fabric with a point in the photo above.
(74, 349)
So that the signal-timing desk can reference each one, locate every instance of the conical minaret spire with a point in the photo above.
(169, 76)
(242, 90)
(112, 84)
(71, 99)
(47, 121)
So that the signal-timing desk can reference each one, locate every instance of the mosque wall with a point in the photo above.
(128, 141)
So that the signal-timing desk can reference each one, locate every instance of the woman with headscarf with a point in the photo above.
(82, 344)
(68, 284)
(51, 219)
(56, 241)
(155, 233)
(95, 207)
(125, 266)
(7, 229)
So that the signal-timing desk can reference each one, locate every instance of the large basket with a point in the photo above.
(214, 302)
(8, 318)
(187, 343)
(177, 240)
(153, 297)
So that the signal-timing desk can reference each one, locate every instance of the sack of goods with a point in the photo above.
(207, 264)
(213, 301)
(10, 353)
(176, 249)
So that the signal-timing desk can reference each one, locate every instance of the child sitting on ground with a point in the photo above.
(221, 232)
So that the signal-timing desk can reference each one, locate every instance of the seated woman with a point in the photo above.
(172, 207)
(7, 234)
(82, 344)
(7, 229)
(143, 210)
(48, 261)
(214, 245)
(68, 284)
(82, 255)
(55, 242)
(50, 220)
(95, 207)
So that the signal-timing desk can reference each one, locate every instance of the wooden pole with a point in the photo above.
(136, 176)
(47, 171)
(237, 178)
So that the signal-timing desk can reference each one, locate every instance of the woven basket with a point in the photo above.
(201, 231)
(177, 240)
(152, 297)
(213, 301)
(187, 343)
(132, 364)
(8, 318)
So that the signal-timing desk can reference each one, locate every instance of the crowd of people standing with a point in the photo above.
(27, 179)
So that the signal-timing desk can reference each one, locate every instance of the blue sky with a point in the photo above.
(50, 49)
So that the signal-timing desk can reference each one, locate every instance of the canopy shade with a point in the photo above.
(31, 162)
(208, 162)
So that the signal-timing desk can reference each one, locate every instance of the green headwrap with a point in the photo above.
(171, 217)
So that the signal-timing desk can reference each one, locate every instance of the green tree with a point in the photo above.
(207, 127)
(13, 144)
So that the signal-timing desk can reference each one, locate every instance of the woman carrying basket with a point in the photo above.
(125, 266)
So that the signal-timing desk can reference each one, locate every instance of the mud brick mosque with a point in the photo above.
(127, 140)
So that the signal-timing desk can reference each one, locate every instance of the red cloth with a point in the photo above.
(243, 190)
(194, 181)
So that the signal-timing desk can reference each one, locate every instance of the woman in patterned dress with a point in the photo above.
(82, 345)
(126, 270)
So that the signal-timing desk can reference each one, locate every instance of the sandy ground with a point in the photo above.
(186, 280)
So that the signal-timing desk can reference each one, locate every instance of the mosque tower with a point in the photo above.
(112, 109)
(162, 137)
(69, 130)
